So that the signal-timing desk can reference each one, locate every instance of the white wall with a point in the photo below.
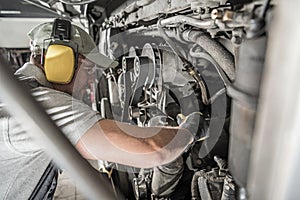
(13, 31)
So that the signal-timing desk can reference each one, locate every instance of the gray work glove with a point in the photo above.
(194, 123)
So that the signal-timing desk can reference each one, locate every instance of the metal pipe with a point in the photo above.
(37, 123)
(212, 47)
(187, 65)
(40, 6)
(182, 19)
(136, 5)
(245, 93)
(68, 2)
(173, 45)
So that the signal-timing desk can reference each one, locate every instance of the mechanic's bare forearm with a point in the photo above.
(148, 147)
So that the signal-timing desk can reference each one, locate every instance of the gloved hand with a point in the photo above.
(195, 124)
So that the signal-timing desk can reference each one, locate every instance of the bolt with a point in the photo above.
(216, 14)
(199, 161)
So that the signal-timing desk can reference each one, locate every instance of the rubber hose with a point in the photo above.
(221, 55)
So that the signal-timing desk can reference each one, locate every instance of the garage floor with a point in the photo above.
(67, 189)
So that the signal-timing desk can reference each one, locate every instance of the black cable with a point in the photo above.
(264, 9)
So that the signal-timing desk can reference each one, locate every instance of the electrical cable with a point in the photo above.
(264, 9)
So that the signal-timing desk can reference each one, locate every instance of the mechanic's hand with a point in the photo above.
(194, 123)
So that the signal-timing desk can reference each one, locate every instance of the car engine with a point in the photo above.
(177, 57)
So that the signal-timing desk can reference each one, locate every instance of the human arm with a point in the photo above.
(147, 147)
(103, 139)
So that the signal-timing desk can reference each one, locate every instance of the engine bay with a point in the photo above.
(177, 57)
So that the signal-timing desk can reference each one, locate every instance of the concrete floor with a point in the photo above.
(67, 189)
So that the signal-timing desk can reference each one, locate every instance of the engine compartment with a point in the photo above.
(178, 57)
(154, 86)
